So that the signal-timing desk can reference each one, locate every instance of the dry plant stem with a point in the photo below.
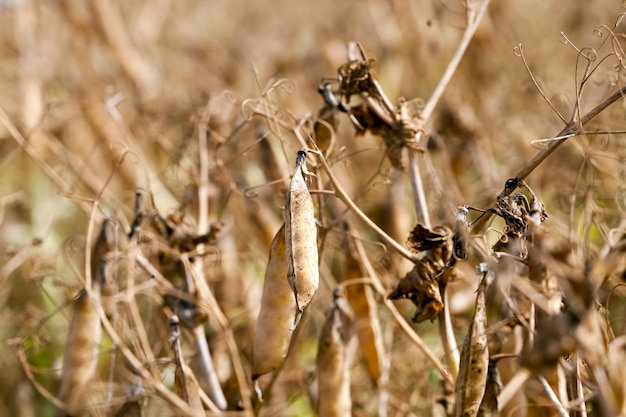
(161, 390)
(383, 397)
(90, 227)
(341, 193)
(512, 388)
(30, 83)
(56, 179)
(447, 335)
(203, 187)
(580, 395)
(416, 181)
(136, 67)
(446, 331)
(606, 400)
(19, 351)
(567, 132)
(454, 62)
(206, 363)
(208, 371)
(552, 397)
(378, 286)
(421, 208)
(223, 321)
(142, 335)
(213, 308)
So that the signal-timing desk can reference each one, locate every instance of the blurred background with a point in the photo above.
(101, 98)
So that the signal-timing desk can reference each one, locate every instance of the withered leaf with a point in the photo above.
(419, 287)
(422, 238)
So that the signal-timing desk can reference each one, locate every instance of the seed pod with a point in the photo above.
(473, 367)
(81, 355)
(81, 351)
(301, 238)
(278, 312)
(366, 323)
(460, 238)
(334, 359)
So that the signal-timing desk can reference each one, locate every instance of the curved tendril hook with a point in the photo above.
(519, 52)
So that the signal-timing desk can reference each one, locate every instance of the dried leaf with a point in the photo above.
(185, 383)
(334, 360)
(422, 290)
(301, 238)
(423, 239)
(489, 404)
(278, 312)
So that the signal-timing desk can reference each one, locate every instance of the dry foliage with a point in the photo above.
(466, 156)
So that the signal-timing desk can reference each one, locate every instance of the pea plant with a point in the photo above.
(377, 279)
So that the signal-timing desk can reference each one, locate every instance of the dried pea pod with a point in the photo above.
(278, 312)
(474, 365)
(85, 334)
(301, 238)
(334, 360)
(366, 323)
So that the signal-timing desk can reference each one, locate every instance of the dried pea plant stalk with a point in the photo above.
(259, 290)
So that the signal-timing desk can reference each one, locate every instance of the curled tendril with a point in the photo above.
(333, 136)
(251, 192)
(519, 51)
(589, 53)
(620, 16)
(280, 84)
(599, 31)
(249, 107)
(74, 245)
(231, 96)
(122, 150)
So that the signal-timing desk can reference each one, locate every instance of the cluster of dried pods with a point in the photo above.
(518, 262)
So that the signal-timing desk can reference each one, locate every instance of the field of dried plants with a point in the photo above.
(376, 208)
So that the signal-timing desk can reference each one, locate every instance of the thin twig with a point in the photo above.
(56, 179)
(417, 186)
(343, 196)
(567, 132)
(512, 388)
(552, 397)
(161, 390)
(378, 286)
(214, 309)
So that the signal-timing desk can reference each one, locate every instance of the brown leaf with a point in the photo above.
(422, 290)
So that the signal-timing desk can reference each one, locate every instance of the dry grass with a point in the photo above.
(179, 122)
